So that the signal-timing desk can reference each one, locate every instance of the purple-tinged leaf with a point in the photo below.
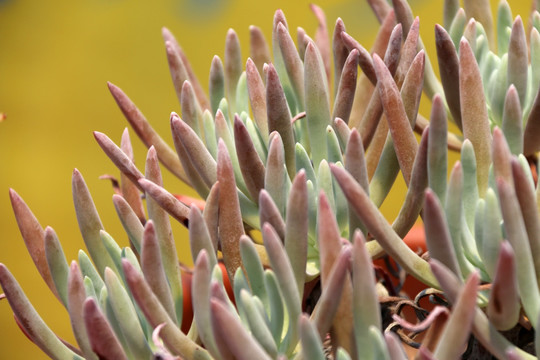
(322, 39)
(302, 40)
(474, 115)
(201, 96)
(449, 72)
(398, 122)
(482, 329)
(438, 240)
(293, 64)
(258, 48)
(118, 157)
(235, 338)
(296, 228)
(152, 269)
(89, 223)
(230, 218)
(347, 87)
(275, 178)
(201, 304)
(166, 200)
(456, 333)
(76, 296)
(529, 210)
(130, 221)
(257, 98)
(233, 67)
(163, 229)
(437, 149)
(33, 236)
(199, 156)
(251, 165)
(191, 109)
(414, 199)
(339, 51)
(531, 134)
(503, 306)
(282, 268)
(382, 232)
(512, 122)
(279, 116)
(518, 59)
(381, 8)
(177, 69)
(154, 312)
(102, 338)
(199, 237)
(516, 234)
(355, 164)
(130, 191)
(317, 104)
(331, 314)
(501, 156)
(365, 61)
(366, 311)
(216, 87)
(395, 349)
(147, 134)
(30, 321)
(269, 213)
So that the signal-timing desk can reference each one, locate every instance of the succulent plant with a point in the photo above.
(293, 165)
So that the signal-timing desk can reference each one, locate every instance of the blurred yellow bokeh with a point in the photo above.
(55, 59)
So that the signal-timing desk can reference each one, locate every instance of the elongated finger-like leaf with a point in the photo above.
(191, 110)
(162, 225)
(257, 97)
(152, 268)
(211, 213)
(379, 227)
(312, 347)
(200, 157)
(347, 87)
(33, 236)
(366, 311)
(482, 329)
(130, 191)
(258, 48)
(339, 51)
(216, 87)
(233, 67)
(30, 320)
(531, 134)
(76, 296)
(235, 337)
(176, 67)
(154, 312)
(89, 223)
(293, 63)
(364, 61)
(437, 149)
(516, 233)
(57, 263)
(503, 306)
(166, 200)
(518, 59)
(285, 277)
(126, 314)
(251, 165)
(279, 116)
(102, 338)
(512, 121)
(474, 115)
(276, 179)
(130, 221)
(458, 327)
(230, 218)
(147, 134)
(201, 96)
(269, 212)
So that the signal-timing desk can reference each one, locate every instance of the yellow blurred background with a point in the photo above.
(55, 59)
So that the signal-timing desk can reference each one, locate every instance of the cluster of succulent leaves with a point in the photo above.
(275, 150)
